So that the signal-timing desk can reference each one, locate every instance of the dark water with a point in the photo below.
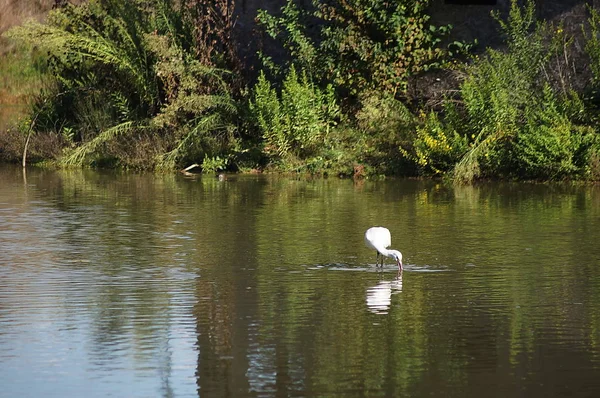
(145, 286)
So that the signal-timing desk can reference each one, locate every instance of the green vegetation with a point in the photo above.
(520, 126)
(361, 44)
(159, 85)
(130, 75)
(295, 124)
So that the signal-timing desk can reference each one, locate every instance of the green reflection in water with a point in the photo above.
(271, 278)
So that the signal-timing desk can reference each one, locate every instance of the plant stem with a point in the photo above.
(24, 163)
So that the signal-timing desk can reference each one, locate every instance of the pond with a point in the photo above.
(142, 285)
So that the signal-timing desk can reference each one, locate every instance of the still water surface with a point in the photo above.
(161, 285)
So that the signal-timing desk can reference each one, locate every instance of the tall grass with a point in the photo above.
(126, 67)
(21, 77)
(21, 68)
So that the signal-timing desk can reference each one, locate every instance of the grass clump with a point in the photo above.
(516, 124)
(123, 70)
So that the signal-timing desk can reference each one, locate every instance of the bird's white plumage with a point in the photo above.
(379, 239)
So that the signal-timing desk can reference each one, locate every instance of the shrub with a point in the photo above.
(387, 133)
(362, 44)
(295, 122)
(214, 164)
(592, 45)
(517, 125)
(547, 144)
(438, 146)
(126, 69)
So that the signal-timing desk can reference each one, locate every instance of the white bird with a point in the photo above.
(379, 238)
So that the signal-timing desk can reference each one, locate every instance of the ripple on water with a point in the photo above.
(373, 268)
(77, 319)
(153, 286)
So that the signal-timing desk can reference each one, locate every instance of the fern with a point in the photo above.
(468, 167)
(205, 124)
(79, 155)
(127, 64)
(90, 44)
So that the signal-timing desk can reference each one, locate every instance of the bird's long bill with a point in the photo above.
(400, 265)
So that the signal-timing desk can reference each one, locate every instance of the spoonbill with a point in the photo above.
(379, 238)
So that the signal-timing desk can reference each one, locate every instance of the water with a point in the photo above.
(161, 285)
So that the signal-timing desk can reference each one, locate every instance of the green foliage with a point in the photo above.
(214, 164)
(500, 85)
(199, 107)
(266, 110)
(517, 124)
(97, 58)
(79, 155)
(157, 84)
(379, 45)
(90, 46)
(387, 128)
(382, 112)
(296, 122)
(546, 146)
(592, 45)
(362, 44)
(290, 27)
(592, 48)
(438, 146)
(123, 67)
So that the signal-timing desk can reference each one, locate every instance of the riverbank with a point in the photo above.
(163, 88)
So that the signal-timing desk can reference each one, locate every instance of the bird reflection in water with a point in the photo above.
(379, 297)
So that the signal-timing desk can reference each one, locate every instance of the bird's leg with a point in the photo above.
(377, 260)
